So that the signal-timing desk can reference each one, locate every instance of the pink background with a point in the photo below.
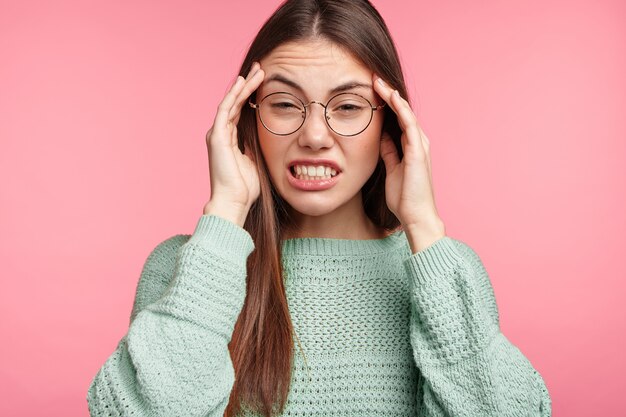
(103, 111)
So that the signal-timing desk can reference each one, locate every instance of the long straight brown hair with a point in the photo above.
(261, 346)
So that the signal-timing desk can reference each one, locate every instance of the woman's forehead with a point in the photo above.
(313, 63)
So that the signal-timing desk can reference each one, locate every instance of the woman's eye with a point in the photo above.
(283, 105)
(348, 108)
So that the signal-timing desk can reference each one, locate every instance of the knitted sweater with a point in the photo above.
(385, 332)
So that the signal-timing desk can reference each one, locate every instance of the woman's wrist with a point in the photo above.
(422, 236)
(228, 211)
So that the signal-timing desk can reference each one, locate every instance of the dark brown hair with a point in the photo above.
(261, 347)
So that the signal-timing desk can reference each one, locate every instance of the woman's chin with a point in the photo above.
(308, 207)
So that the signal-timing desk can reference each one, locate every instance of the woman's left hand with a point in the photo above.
(409, 186)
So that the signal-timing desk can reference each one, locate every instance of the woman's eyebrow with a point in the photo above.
(349, 86)
(343, 87)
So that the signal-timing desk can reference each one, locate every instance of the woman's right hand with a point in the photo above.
(234, 178)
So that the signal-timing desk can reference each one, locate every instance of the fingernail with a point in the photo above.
(396, 93)
(381, 82)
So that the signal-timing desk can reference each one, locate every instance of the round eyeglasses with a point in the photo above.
(346, 114)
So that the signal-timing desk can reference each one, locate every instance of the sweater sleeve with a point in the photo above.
(467, 366)
(174, 359)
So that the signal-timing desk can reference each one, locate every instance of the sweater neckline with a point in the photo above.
(332, 246)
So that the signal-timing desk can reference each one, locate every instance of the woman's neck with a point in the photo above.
(343, 223)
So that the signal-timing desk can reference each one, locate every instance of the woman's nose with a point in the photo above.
(315, 133)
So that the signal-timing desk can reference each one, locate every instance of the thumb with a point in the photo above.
(388, 152)
(247, 152)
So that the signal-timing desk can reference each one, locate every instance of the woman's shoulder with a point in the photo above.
(164, 253)
(157, 272)
(161, 262)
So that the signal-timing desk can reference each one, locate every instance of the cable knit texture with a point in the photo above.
(385, 332)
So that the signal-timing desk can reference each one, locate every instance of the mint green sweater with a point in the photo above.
(385, 332)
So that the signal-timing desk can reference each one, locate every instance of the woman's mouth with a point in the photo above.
(313, 173)
(298, 177)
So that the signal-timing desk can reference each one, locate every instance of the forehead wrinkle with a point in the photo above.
(301, 62)
(311, 49)
(346, 86)
(292, 56)
(288, 58)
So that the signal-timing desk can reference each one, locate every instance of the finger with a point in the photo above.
(223, 109)
(250, 86)
(426, 143)
(253, 69)
(406, 117)
(424, 136)
(240, 161)
(411, 138)
(426, 158)
(388, 152)
(413, 144)
(385, 91)
(248, 152)
(426, 146)
(424, 140)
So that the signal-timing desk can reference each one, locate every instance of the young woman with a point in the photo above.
(319, 279)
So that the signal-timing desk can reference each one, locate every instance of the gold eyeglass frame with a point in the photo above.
(305, 112)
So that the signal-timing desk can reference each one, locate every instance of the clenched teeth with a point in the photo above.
(310, 172)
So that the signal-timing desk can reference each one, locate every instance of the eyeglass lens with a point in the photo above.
(283, 113)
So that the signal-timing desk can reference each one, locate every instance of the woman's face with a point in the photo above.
(318, 70)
